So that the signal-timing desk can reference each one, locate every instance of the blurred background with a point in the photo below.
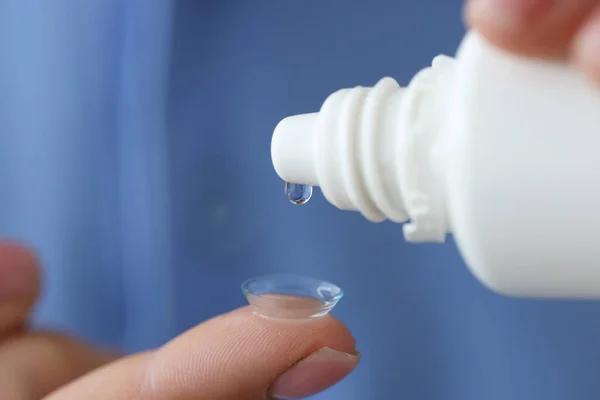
(135, 156)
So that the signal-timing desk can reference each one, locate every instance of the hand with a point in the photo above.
(567, 29)
(236, 356)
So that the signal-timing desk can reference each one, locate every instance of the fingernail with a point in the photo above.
(18, 274)
(505, 13)
(586, 49)
(313, 374)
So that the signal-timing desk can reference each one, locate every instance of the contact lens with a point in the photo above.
(284, 296)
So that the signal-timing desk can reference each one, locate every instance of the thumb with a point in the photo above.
(541, 28)
(234, 356)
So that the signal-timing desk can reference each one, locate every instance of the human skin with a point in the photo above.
(568, 30)
(239, 355)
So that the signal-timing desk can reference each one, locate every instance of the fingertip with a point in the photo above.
(238, 355)
(501, 23)
(504, 18)
(19, 286)
(536, 28)
(586, 47)
(19, 274)
(244, 353)
(309, 333)
(314, 374)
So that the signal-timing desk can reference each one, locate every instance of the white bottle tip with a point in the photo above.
(293, 149)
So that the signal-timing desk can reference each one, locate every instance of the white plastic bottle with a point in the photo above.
(501, 151)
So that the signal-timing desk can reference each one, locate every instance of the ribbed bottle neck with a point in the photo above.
(375, 150)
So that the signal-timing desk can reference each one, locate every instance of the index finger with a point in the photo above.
(238, 355)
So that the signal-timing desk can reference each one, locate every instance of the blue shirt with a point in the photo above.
(134, 155)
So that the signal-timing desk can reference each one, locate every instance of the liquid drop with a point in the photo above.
(298, 194)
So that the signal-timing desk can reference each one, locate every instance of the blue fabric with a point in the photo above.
(134, 154)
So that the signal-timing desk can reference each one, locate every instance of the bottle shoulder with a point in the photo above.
(520, 160)
(501, 104)
(492, 87)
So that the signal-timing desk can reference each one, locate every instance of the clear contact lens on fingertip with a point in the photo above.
(286, 296)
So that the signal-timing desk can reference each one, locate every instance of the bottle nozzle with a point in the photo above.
(293, 149)
(374, 150)
(341, 148)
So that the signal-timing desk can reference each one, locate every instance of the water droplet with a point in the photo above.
(298, 194)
